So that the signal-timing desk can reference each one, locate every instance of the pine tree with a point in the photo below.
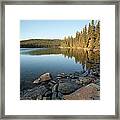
(97, 32)
(87, 38)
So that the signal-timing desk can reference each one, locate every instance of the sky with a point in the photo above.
(50, 29)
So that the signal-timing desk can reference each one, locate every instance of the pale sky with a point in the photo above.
(48, 29)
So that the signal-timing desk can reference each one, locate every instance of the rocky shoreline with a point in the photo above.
(73, 86)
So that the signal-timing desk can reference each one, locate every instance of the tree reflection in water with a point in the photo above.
(88, 59)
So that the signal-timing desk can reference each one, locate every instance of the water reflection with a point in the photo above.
(89, 59)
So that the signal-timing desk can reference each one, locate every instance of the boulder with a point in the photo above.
(67, 87)
(43, 78)
(76, 81)
(35, 92)
(94, 86)
(89, 92)
(46, 77)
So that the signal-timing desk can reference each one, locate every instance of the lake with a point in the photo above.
(36, 61)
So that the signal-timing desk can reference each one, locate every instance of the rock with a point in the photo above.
(55, 88)
(58, 77)
(94, 86)
(25, 98)
(96, 74)
(77, 81)
(46, 77)
(52, 81)
(60, 96)
(57, 96)
(51, 85)
(35, 92)
(95, 70)
(86, 80)
(96, 98)
(44, 98)
(77, 73)
(48, 98)
(64, 80)
(74, 80)
(48, 93)
(54, 96)
(74, 77)
(86, 73)
(37, 81)
(42, 90)
(67, 87)
(34, 96)
(61, 75)
(43, 78)
(97, 81)
(88, 92)
(39, 97)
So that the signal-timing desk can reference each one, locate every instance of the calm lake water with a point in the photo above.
(36, 61)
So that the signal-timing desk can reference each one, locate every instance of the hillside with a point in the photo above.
(36, 43)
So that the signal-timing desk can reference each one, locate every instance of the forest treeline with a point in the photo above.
(88, 38)
(40, 43)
